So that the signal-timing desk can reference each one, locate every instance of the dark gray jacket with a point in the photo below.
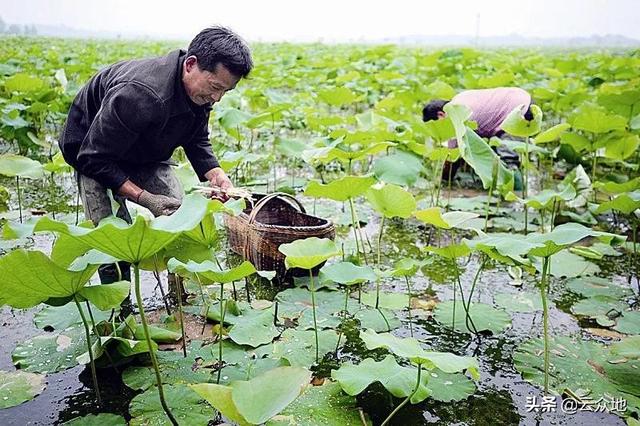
(135, 112)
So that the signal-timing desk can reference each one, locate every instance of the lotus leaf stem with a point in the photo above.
(406, 400)
(152, 353)
(87, 334)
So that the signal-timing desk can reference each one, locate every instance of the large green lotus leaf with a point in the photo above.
(401, 168)
(102, 419)
(518, 302)
(231, 119)
(254, 328)
(328, 154)
(515, 124)
(451, 252)
(175, 368)
(320, 405)
(628, 323)
(262, 397)
(17, 387)
(447, 220)
(291, 148)
(30, 277)
(24, 83)
(108, 296)
(220, 397)
(139, 241)
(309, 252)
(616, 187)
(629, 347)
(209, 272)
(298, 346)
(485, 162)
(595, 119)
(399, 381)
(123, 347)
(295, 305)
(512, 246)
(545, 199)
(595, 286)
(62, 317)
(186, 406)
(391, 200)
(346, 273)
(569, 265)
(410, 348)
(485, 317)
(597, 306)
(565, 235)
(625, 376)
(50, 353)
(16, 230)
(440, 130)
(394, 301)
(337, 96)
(622, 148)
(621, 102)
(251, 368)
(206, 233)
(407, 267)
(576, 364)
(624, 203)
(340, 189)
(66, 249)
(552, 133)
(458, 114)
(448, 387)
(16, 165)
(378, 320)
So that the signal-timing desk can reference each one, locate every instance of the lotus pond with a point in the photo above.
(456, 301)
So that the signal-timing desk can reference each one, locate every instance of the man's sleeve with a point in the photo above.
(127, 110)
(199, 152)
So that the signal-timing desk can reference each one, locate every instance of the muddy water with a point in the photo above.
(500, 398)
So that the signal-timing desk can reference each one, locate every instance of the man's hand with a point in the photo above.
(218, 178)
(159, 205)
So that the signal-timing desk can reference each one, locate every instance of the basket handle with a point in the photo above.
(258, 206)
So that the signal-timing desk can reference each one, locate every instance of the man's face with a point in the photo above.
(204, 87)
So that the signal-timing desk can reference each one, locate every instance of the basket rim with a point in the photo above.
(283, 228)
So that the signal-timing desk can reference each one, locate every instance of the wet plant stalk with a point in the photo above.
(87, 333)
(406, 400)
(222, 312)
(205, 301)
(545, 320)
(409, 304)
(19, 197)
(180, 314)
(344, 316)
(313, 307)
(152, 353)
(353, 225)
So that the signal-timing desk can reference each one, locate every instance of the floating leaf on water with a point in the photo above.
(259, 399)
(17, 387)
(102, 419)
(325, 405)
(186, 405)
(519, 302)
(50, 353)
(485, 317)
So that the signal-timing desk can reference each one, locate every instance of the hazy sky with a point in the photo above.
(332, 20)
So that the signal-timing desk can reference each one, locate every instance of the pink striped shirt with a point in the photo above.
(490, 107)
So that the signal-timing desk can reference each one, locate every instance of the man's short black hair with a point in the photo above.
(219, 45)
(431, 110)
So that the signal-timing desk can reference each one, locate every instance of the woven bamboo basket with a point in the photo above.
(274, 219)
